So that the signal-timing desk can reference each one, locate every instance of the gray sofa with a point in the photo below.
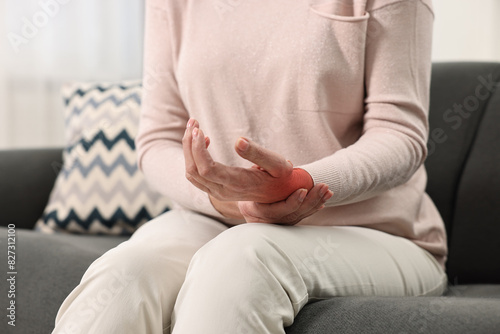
(464, 182)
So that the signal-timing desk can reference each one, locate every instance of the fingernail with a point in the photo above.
(190, 123)
(243, 144)
(328, 195)
(324, 191)
(195, 132)
(302, 195)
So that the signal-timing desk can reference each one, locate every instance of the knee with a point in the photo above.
(237, 249)
(245, 263)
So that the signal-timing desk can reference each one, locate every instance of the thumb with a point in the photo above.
(270, 161)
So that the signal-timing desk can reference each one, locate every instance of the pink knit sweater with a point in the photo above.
(340, 88)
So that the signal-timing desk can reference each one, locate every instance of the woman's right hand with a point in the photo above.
(271, 179)
(297, 206)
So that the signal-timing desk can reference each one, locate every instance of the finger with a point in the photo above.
(280, 209)
(271, 161)
(191, 169)
(315, 199)
(207, 168)
(292, 210)
(192, 174)
(187, 141)
(311, 204)
(186, 147)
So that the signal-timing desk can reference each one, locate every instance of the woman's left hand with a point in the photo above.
(301, 204)
(297, 206)
(271, 179)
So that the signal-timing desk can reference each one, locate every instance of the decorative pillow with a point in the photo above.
(99, 189)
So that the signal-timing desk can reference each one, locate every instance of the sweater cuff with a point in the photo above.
(329, 176)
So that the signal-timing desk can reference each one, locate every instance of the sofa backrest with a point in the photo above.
(464, 166)
(26, 179)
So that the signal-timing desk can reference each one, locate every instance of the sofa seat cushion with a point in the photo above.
(399, 315)
(48, 267)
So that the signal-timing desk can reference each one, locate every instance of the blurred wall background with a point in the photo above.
(466, 30)
(47, 42)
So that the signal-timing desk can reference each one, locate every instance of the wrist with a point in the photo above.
(301, 179)
(297, 179)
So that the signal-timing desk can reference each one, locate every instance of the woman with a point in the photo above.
(341, 89)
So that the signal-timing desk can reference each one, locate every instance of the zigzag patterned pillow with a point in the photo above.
(99, 189)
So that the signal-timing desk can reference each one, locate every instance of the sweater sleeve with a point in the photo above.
(163, 118)
(395, 126)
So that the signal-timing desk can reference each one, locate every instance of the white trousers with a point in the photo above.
(185, 273)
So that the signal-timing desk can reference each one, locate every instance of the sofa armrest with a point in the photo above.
(26, 179)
